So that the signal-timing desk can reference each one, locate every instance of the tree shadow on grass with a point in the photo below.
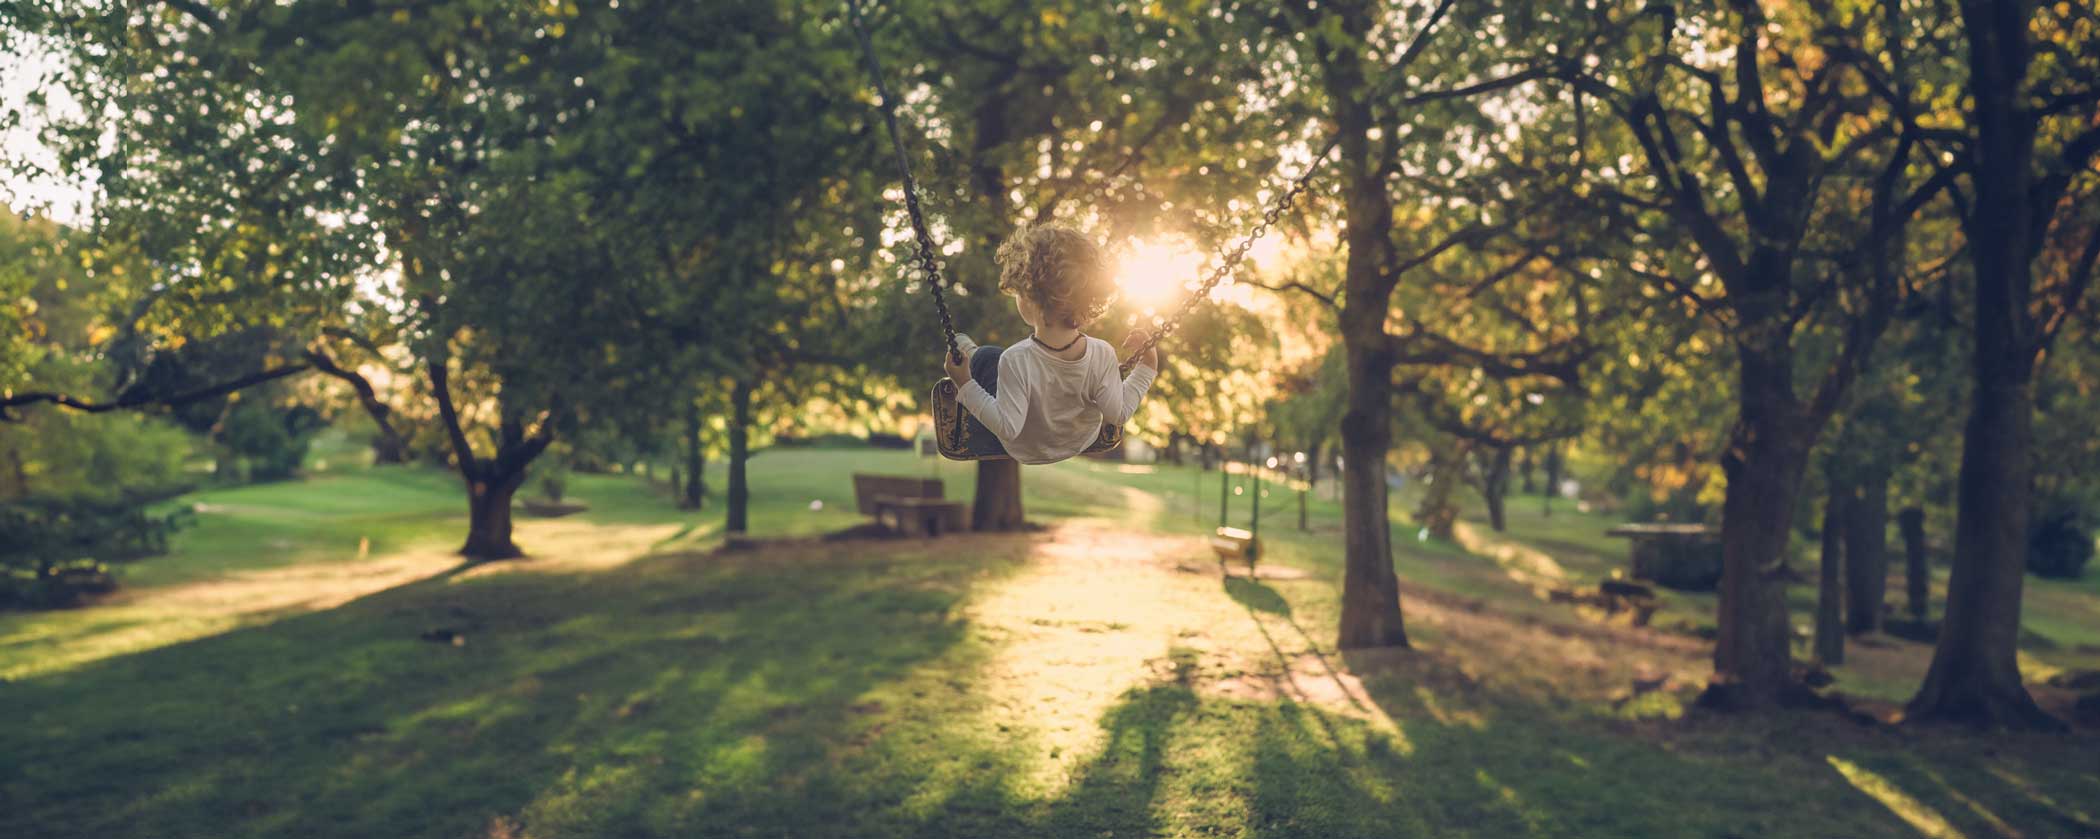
(1446, 754)
(656, 695)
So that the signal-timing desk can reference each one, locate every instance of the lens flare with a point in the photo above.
(1156, 274)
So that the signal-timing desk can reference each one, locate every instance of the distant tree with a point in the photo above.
(1742, 147)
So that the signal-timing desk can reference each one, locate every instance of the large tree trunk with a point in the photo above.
(1917, 572)
(1975, 673)
(997, 502)
(1767, 456)
(488, 518)
(490, 482)
(739, 513)
(1370, 589)
(1830, 581)
(1866, 552)
(693, 495)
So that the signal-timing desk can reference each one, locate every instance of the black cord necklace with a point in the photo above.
(1068, 344)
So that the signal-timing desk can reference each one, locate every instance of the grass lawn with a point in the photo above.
(276, 676)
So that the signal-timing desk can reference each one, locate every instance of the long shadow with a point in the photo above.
(1553, 766)
(1500, 762)
(664, 693)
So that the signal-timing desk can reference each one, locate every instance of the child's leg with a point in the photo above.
(984, 368)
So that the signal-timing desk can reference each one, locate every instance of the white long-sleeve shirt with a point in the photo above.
(1049, 409)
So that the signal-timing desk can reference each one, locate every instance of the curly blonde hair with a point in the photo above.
(1059, 269)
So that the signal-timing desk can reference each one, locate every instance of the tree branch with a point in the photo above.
(1325, 298)
(17, 400)
(1478, 88)
(2072, 293)
(366, 395)
(1422, 36)
(441, 390)
(1561, 361)
(198, 11)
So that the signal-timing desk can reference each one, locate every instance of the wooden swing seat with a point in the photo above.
(1233, 543)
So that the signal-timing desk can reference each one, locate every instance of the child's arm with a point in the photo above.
(1119, 400)
(1002, 414)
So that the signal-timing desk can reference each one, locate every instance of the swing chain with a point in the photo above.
(1230, 261)
(924, 255)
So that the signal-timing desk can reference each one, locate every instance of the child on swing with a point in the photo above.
(1047, 398)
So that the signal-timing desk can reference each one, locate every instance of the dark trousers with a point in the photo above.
(984, 370)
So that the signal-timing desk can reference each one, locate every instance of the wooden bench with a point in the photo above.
(910, 506)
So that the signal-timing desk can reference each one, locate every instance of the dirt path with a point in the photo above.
(1098, 611)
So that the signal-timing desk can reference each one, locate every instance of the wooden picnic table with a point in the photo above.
(1677, 555)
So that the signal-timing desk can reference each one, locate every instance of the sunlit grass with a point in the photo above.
(1917, 814)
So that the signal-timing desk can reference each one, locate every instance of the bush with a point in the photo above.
(61, 454)
(272, 441)
(554, 484)
(55, 551)
(2059, 541)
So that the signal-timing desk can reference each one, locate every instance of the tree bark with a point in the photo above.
(1370, 590)
(1830, 581)
(1526, 470)
(693, 495)
(1975, 672)
(1866, 552)
(739, 513)
(488, 518)
(1917, 575)
(490, 482)
(1767, 457)
(996, 506)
